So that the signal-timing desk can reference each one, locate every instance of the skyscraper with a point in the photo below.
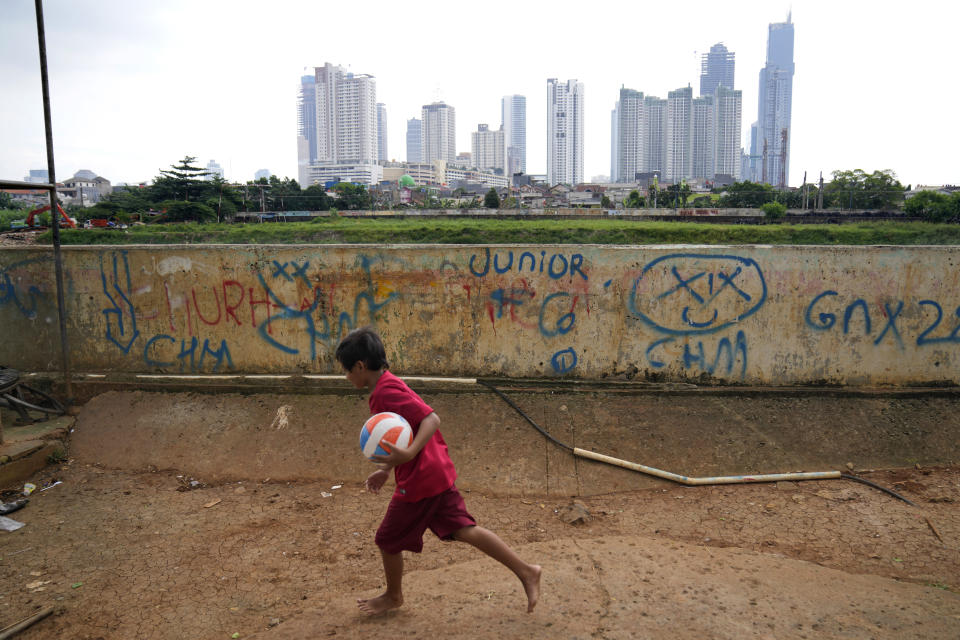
(629, 136)
(655, 135)
(564, 132)
(438, 133)
(487, 148)
(306, 123)
(414, 150)
(513, 111)
(716, 69)
(678, 159)
(702, 136)
(343, 129)
(728, 105)
(771, 145)
(382, 155)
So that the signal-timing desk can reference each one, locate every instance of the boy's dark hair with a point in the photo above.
(362, 345)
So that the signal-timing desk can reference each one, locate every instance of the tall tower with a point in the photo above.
(774, 106)
(703, 138)
(716, 69)
(438, 133)
(382, 155)
(728, 106)
(307, 121)
(679, 136)
(564, 132)
(655, 135)
(414, 149)
(487, 148)
(630, 136)
(514, 123)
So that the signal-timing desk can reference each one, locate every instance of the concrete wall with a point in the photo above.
(741, 315)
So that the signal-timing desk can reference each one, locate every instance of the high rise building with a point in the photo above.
(630, 123)
(716, 69)
(513, 111)
(771, 145)
(703, 130)
(307, 121)
(655, 135)
(344, 129)
(414, 150)
(487, 148)
(728, 105)
(564, 132)
(678, 158)
(382, 155)
(438, 133)
(614, 141)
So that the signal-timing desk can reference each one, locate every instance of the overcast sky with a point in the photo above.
(135, 85)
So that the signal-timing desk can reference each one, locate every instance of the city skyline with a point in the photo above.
(129, 99)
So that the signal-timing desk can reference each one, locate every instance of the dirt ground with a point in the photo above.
(138, 554)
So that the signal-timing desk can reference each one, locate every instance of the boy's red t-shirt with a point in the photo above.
(431, 472)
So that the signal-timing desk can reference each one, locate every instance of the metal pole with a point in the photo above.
(51, 175)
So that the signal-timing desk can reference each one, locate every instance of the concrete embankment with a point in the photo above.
(262, 433)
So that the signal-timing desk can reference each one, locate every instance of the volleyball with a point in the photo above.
(386, 427)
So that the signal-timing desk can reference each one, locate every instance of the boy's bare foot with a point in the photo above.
(531, 584)
(385, 602)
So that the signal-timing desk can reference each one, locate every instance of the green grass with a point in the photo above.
(512, 231)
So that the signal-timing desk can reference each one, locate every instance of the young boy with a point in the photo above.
(425, 496)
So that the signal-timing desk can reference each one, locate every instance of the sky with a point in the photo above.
(136, 86)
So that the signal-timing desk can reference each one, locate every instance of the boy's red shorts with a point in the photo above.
(405, 522)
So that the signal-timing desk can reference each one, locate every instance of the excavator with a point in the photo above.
(67, 220)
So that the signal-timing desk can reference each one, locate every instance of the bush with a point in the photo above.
(934, 207)
(774, 211)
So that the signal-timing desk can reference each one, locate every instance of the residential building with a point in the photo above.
(382, 156)
(771, 144)
(345, 113)
(716, 69)
(85, 188)
(654, 135)
(565, 119)
(488, 148)
(728, 105)
(630, 135)
(438, 139)
(678, 159)
(703, 129)
(414, 149)
(513, 121)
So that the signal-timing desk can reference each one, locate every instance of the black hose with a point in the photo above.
(877, 486)
(526, 417)
(569, 448)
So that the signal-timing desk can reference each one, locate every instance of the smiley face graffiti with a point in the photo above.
(687, 294)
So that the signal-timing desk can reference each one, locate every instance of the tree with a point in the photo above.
(184, 211)
(492, 199)
(634, 201)
(351, 196)
(605, 202)
(741, 195)
(181, 180)
(858, 189)
(934, 207)
(315, 198)
(774, 211)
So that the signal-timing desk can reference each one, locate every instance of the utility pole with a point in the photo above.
(820, 193)
(804, 191)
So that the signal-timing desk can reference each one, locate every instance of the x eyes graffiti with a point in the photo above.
(688, 293)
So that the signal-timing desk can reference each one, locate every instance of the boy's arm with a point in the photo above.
(398, 455)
